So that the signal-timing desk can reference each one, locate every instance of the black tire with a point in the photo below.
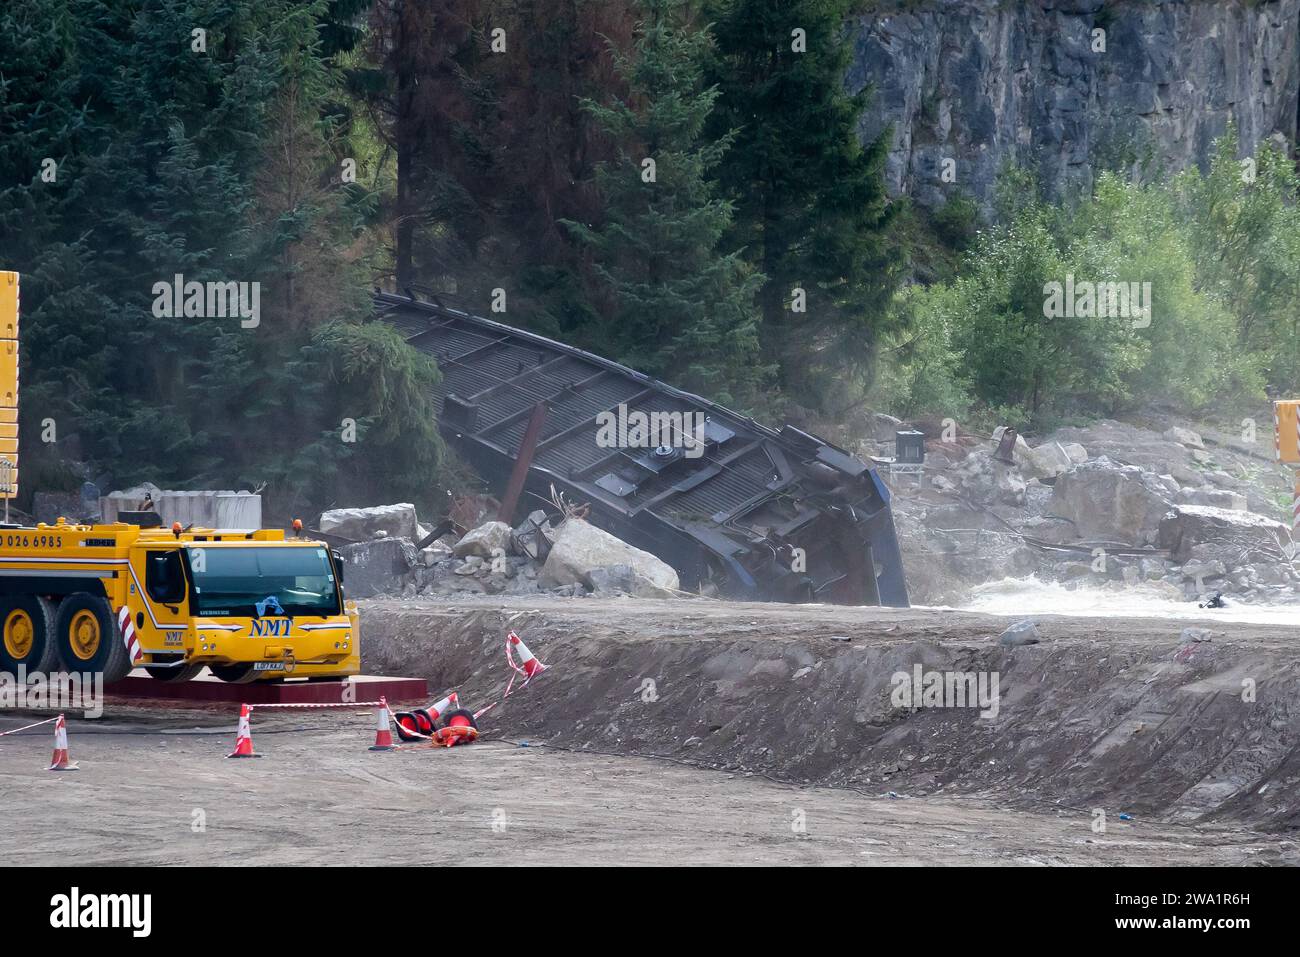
(240, 674)
(460, 713)
(424, 721)
(77, 612)
(34, 639)
(403, 730)
(174, 675)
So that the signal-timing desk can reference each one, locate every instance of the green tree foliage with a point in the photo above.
(367, 372)
(1016, 355)
(677, 307)
(1135, 233)
(811, 209)
(1243, 227)
(1218, 250)
(921, 370)
(211, 160)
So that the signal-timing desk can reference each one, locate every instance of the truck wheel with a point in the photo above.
(27, 634)
(240, 674)
(89, 639)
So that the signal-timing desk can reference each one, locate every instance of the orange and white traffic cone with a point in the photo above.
(528, 665)
(244, 736)
(461, 728)
(427, 718)
(60, 762)
(383, 731)
(409, 727)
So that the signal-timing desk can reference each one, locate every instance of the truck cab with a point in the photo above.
(246, 610)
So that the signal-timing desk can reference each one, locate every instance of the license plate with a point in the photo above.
(268, 665)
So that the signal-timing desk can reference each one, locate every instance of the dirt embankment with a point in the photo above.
(1120, 715)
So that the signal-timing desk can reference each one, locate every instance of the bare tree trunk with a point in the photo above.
(405, 124)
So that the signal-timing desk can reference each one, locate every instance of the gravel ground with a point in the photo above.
(319, 797)
(776, 739)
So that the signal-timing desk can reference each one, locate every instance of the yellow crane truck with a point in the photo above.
(105, 598)
(249, 605)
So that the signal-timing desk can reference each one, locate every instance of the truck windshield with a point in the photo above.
(262, 582)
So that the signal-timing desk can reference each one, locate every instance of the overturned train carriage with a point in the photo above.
(753, 514)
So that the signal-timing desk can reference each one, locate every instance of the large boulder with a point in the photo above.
(1217, 497)
(1046, 461)
(580, 548)
(380, 567)
(1076, 452)
(486, 541)
(1233, 535)
(1185, 437)
(1132, 445)
(884, 427)
(363, 524)
(1111, 503)
(623, 580)
(988, 481)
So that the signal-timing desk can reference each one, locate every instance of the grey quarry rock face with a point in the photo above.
(985, 82)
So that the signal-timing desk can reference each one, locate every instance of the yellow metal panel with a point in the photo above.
(9, 415)
(8, 305)
(9, 374)
(9, 448)
(8, 430)
(1287, 414)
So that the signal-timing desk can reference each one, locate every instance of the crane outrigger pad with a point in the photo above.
(206, 689)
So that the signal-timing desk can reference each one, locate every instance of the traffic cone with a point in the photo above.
(461, 728)
(427, 718)
(383, 733)
(244, 736)
(528, 664)
(60, 762)
(409, 727)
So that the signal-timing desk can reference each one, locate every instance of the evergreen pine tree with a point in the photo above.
(677, 306)
(479, 102)
(810, 204)
(211, 160)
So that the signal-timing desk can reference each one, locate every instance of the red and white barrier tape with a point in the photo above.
(392, 721)
(28, 727)
(528, 673)
(349, 704)
(530, 669)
